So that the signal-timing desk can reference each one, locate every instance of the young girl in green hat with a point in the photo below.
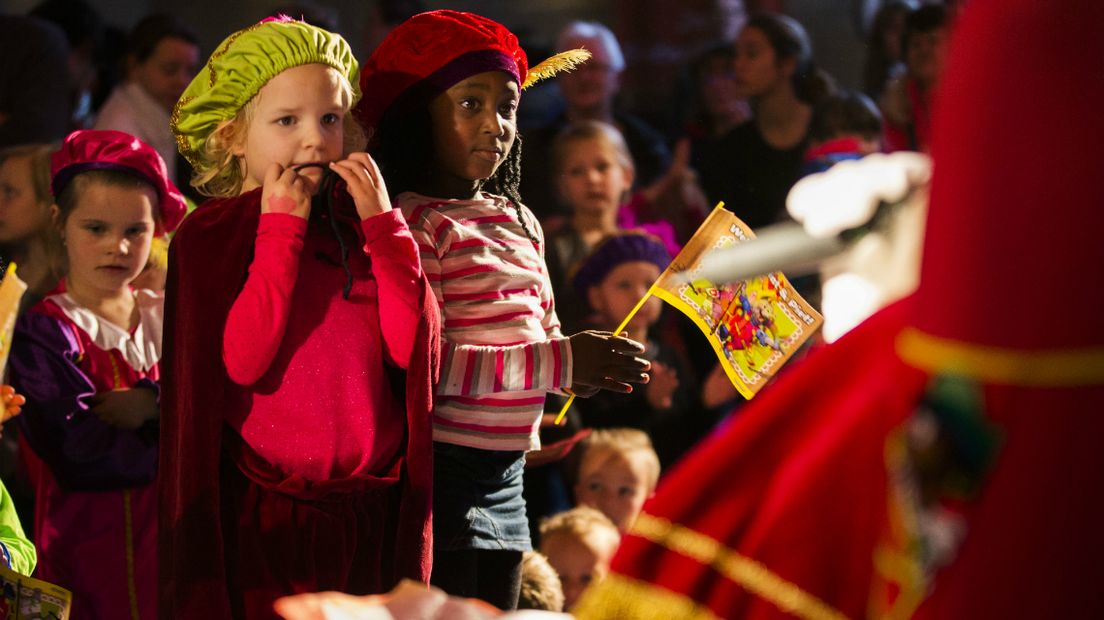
(302, 337)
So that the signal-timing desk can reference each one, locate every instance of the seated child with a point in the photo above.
(579, 544)
(611, 280)
(618, 470)
(540, 585)
(594, 173)
(845, 125)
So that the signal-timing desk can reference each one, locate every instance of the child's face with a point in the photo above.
(21, 215)
(474, 126)
(625, 285)
(298, 119)
(578, 563)
(614, 483)
(592, 180)
(107, 236)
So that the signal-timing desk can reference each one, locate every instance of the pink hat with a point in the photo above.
(94, 149)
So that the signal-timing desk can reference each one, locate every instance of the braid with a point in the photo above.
(507, 182)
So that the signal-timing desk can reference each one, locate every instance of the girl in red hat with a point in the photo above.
(444, 89)
(87, 358)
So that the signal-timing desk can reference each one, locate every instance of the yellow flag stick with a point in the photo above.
(620, 328)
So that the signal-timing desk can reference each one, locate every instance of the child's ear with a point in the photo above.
(55, 218)
(229, 134)
(237, 147)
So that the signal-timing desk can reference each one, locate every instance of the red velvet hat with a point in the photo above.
(442, 48)
(94, 149)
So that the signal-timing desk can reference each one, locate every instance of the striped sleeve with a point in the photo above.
(427, 251)
(473, 370)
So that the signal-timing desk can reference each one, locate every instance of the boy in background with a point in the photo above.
(611, 280)
(579, 545)
(618, 470)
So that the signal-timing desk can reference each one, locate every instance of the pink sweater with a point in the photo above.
(315, 360)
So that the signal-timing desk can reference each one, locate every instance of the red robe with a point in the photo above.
(204, 492)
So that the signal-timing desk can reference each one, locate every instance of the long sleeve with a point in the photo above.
(18, 551)
(550, 322)
(475, 370)
(257, 320)
(397, 270)
(82, 451)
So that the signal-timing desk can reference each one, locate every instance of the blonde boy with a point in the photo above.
(618, 470)
(579, 544)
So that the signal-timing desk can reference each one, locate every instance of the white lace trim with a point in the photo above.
(142, 350)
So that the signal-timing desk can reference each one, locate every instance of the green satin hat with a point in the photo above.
(243, 64)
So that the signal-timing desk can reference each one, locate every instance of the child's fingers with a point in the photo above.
(17, 400)
(624, 345)
(369, 164)
(634, 371)
(354, 174)
(605, 383)
(7, 392)
(363, 159)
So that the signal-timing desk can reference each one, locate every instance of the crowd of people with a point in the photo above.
(300, 321)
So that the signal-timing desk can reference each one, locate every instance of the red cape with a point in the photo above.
(791, 511)
(208, 263)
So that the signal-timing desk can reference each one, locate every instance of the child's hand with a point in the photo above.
(128, 409)
(661, 388)
(365, 184)
(602, 360)
(12, 403)
(286, 191)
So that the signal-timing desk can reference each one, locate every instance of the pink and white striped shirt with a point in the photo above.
(502, 347)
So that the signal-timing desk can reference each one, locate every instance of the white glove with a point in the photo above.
(846, 195)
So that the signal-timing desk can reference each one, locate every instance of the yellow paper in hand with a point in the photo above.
(11, 293)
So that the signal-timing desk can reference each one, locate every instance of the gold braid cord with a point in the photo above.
(1046, 368)
(564, 61)
(749, 574)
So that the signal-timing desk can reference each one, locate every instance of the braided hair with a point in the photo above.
(403, 137)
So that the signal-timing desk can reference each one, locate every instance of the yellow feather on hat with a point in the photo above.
(564, 61)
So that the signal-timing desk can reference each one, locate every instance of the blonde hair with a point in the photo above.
(581, 131)
(540, 585)
(625, 442)
(584, 524)
(220, 174)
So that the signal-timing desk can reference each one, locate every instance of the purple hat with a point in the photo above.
(614, 250)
